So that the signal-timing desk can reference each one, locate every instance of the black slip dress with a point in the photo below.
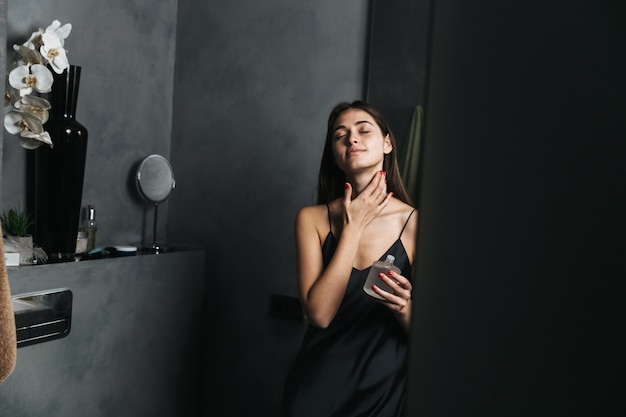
(357, 365)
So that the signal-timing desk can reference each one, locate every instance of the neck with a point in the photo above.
(360, 180)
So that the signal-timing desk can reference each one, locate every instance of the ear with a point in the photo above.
(387, 147)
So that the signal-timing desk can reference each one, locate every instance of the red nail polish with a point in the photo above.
(381, 275)
(347, 186)
(373, 286)
(390, 273)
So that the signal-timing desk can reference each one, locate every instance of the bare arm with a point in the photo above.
(321, 290)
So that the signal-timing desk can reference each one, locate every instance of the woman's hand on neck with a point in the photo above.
(360, 180)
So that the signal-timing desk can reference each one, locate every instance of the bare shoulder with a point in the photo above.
(311, 218)
(403, 211)
(408, 216)
(312, 213)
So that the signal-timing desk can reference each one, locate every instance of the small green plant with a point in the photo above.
(16, 222)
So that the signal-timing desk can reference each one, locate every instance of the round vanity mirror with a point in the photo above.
(155, 181)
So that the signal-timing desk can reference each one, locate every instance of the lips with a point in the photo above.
(355, 151)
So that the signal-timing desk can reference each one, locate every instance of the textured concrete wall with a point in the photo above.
(131, 350)
(255, 82)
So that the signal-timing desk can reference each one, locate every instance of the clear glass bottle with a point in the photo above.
(373, 278)
(91, 227)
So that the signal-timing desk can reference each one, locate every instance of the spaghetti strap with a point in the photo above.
(405, 223)
(330, 225)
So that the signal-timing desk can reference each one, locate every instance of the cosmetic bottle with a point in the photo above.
(91, 227)
(374, 279)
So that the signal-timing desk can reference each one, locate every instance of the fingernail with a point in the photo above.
(381, 275)
(347, 186)
(373, 286)
(390, 273)
(384, 172)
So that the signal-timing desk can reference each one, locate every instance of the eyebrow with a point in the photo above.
(360, 122)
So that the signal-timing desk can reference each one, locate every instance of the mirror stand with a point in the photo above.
(155, 248)
(155, 181)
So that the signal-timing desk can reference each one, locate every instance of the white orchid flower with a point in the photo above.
(52, 50)
(17, 123)
(43, 50)
(34, 42)
(18, 78)
(35, 140)
(29, 127)
(61, 32)
(10, 93)
(25, 79)
(36, 106)
(28, 56)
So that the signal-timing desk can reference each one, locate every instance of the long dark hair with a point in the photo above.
(331, 179)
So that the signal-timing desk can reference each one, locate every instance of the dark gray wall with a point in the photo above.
(397, 70)
(519, 306)
(255, 82)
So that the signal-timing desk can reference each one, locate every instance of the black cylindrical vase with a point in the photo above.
(57, 173)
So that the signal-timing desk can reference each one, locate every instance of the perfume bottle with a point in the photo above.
(373, 278)
(91, 227)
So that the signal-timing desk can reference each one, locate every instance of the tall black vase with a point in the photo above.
(56, 181)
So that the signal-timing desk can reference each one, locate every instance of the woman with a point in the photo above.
(352, 361)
